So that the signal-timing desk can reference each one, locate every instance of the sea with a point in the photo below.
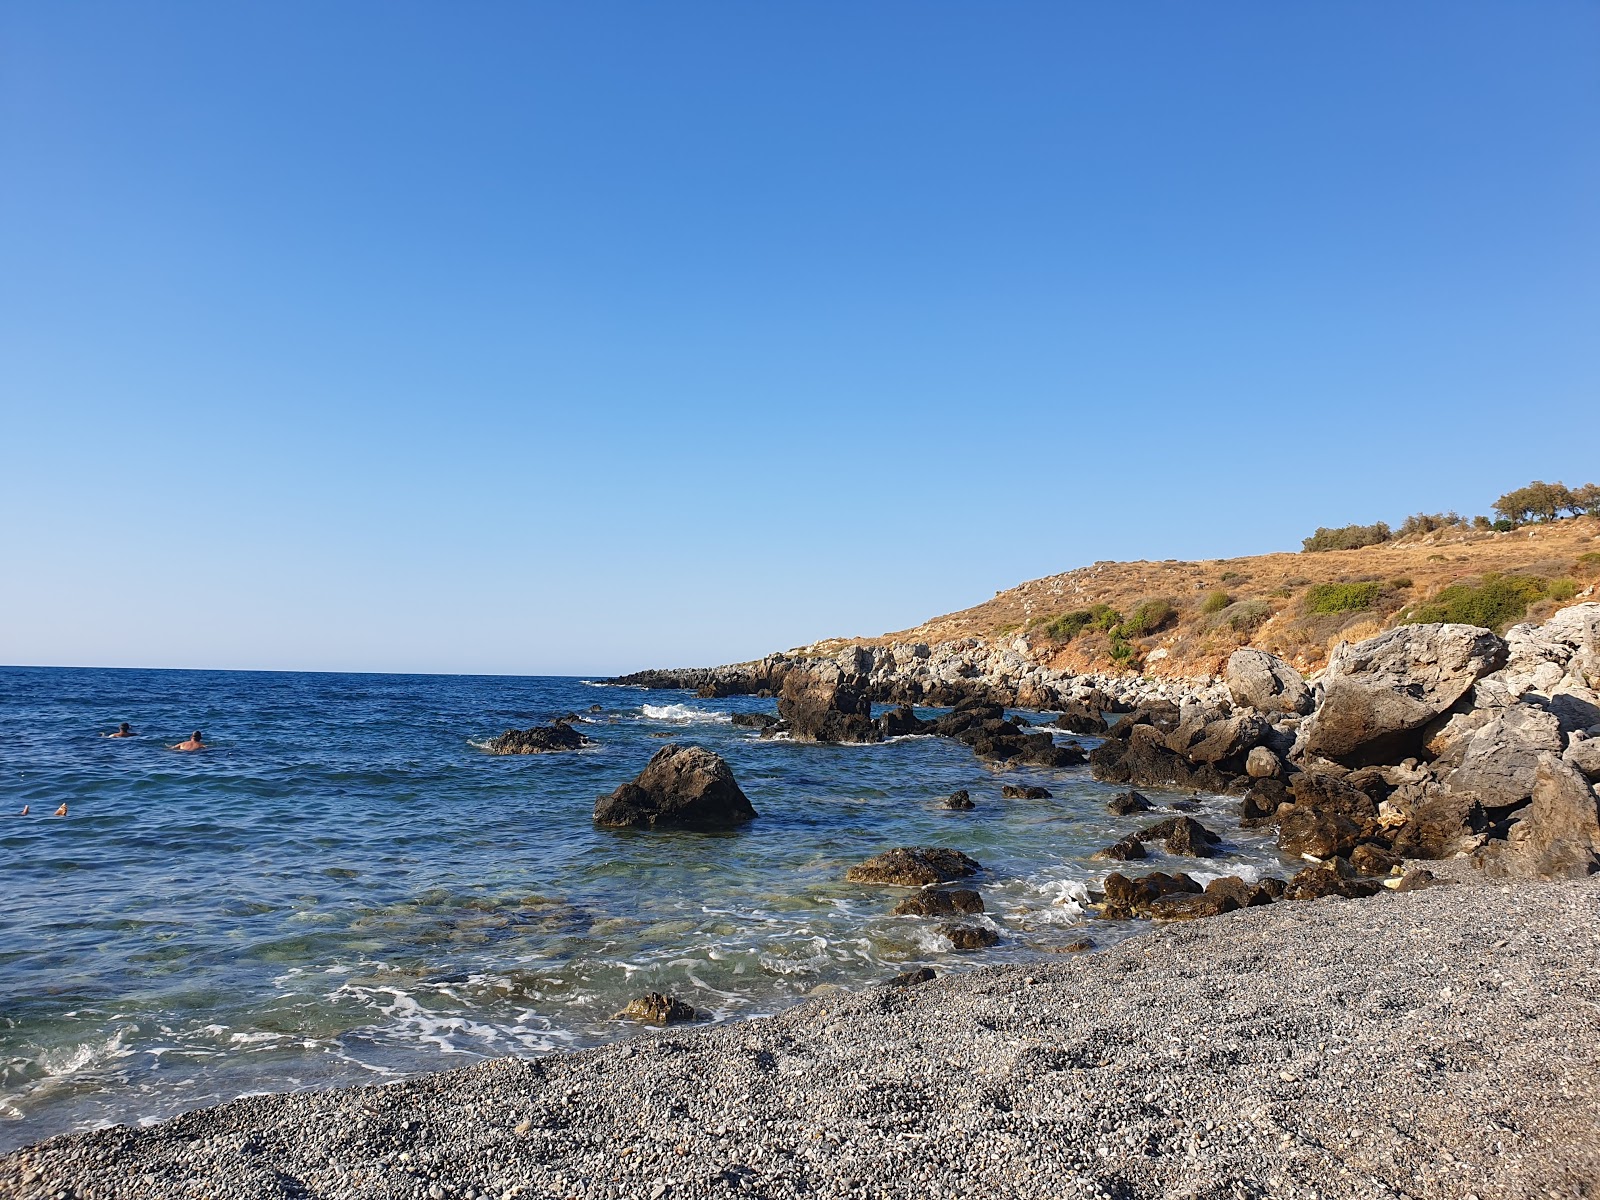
(345, 888)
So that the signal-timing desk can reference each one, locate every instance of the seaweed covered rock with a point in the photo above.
(654, 1008)
(913, 866)
(541, 739)
(940, 902)
(681, 786)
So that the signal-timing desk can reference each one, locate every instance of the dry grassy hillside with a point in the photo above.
(1185, 618)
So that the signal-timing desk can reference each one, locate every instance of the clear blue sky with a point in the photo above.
(577, 338)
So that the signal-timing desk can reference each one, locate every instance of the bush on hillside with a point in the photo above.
(1428, 523)
(1541, 501)
(1215, 603)
(1493, 602)
(1150, 616)
(1346, 537)
(1326, 598)
(1069, 625)
(1245, 616)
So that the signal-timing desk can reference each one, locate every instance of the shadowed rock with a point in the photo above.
(541, 739)
(681, 786)
(1128, 802)
(1557, 836)
(959, 801)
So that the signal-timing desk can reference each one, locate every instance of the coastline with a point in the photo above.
(1441, 1043)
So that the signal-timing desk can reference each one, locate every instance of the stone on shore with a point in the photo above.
(912, 866)
(682, 787)
(1265, 682)
(654, 1008)
(1557, 836)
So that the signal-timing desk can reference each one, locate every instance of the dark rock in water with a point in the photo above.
(1320, 834)
(1079, 718)
(1378, 694)
(909, 866)
(969, 937)
(1128, 802)
(1127, 848)
(959, 801)
(830, 700)
(1368, 859)
(1142, 757)
(1126, 898)
(1332, 878)
(542, 739)
(940, 902)
(754, 720)
(657, 1009)
(912, 978)
(1013, 791)
(1186, 906)
(901, 722)
(681, 786)
(595, 708)
(1186, 806)
(1182, 835)
(1557, 836)
(1260, 804)
(716, 690)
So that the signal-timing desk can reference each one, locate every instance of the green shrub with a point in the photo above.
(1588, 564)
(1400, 584)
(1346, 537)
(1503, 526)
(1122, 651)
(1561, 589)
(1215, 603)
(1234, 577)
(1428, 523)
(1342, 597)
(1069, 625)
(1244, 617)
(1494, 602)
(1150, 616)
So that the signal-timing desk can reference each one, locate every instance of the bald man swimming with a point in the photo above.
(195, 742)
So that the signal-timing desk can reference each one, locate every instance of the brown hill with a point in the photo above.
(1176, 618)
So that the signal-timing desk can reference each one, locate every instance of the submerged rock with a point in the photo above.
(654, 1008)
(960, 801)
(910, 866)
(940, 902)
(1128, 802)
(681, 786)
(969, 937)
(1014, 791)
(541, 739)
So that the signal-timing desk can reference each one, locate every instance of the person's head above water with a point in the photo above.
(196, 736)
(124, 728)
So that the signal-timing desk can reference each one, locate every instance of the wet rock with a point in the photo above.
(901, 722)
(1075, 946)
(1124, 850)
(940, 902)
(1144, 759)
(960, 801)
(1262, 681)
(542, 739)
(1557, 836)
(969, 937)
(1078, 718)
(655, 1008)
(914, 867)
(1332, 878)
(1182, 835)
(1378, 694)
(681, 786)
(1127, 897)
(754, 720)
(1013, 791)
(1262, 763)
(1189, 907)
(1305, 831)
(830, 700)
(913, 978)
(1368, 859)
(1128, 802)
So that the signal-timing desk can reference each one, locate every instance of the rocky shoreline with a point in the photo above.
(1444, 1044)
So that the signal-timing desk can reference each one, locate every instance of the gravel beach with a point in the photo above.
(1438, 1043)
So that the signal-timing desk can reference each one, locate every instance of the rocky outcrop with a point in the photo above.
(1266, 683)
(680, 787)
(960, 801)
(829, 701)
(1378, 694)
(1126, 898)
(969, 937)
(1500, 759)
(909, 866)
(1557, 836)
(754, 720)
(654, 1008)
(541, 739)
(1182, 835)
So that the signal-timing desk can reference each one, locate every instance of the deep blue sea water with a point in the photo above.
(343, 889)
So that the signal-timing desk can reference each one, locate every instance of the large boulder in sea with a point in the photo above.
(541, 739)
(829, 701)
(1557, 836)
(911, 866)
(1378, 694)
(680, 787)
(1265, 682)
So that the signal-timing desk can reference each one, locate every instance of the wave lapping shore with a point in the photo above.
(1443, 1044)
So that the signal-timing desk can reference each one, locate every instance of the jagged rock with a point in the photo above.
(901, 722)
(1126, 898)
(1378, 694)
(1585, 756)
(1260, 803)
(1557, 836)
(1501, 758)
(1262, 763)
(541, 739)
(657, 1009)
(1323, 792)
(1205, 735)
(1262, 681)
(913, 978)
(1014, 791)
(940, 902)
(754, 720)
(1077, 717)
(1245, 895)
(1182, 835)
(1305, 831)
(829, 700)
(1368, 859)
(681, 786)
(1128, 802)
(960, 801)
(1123, 850)
(1332, 878)
(969, 937)
(1143, 758)
(909, 866)
(1189, 907)
(1436, 826)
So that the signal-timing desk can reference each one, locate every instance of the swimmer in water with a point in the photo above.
(62, 811)
(123, 730)
(24, 811)
(195, 742)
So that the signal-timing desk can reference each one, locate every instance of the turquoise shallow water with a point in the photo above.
(345, 890)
